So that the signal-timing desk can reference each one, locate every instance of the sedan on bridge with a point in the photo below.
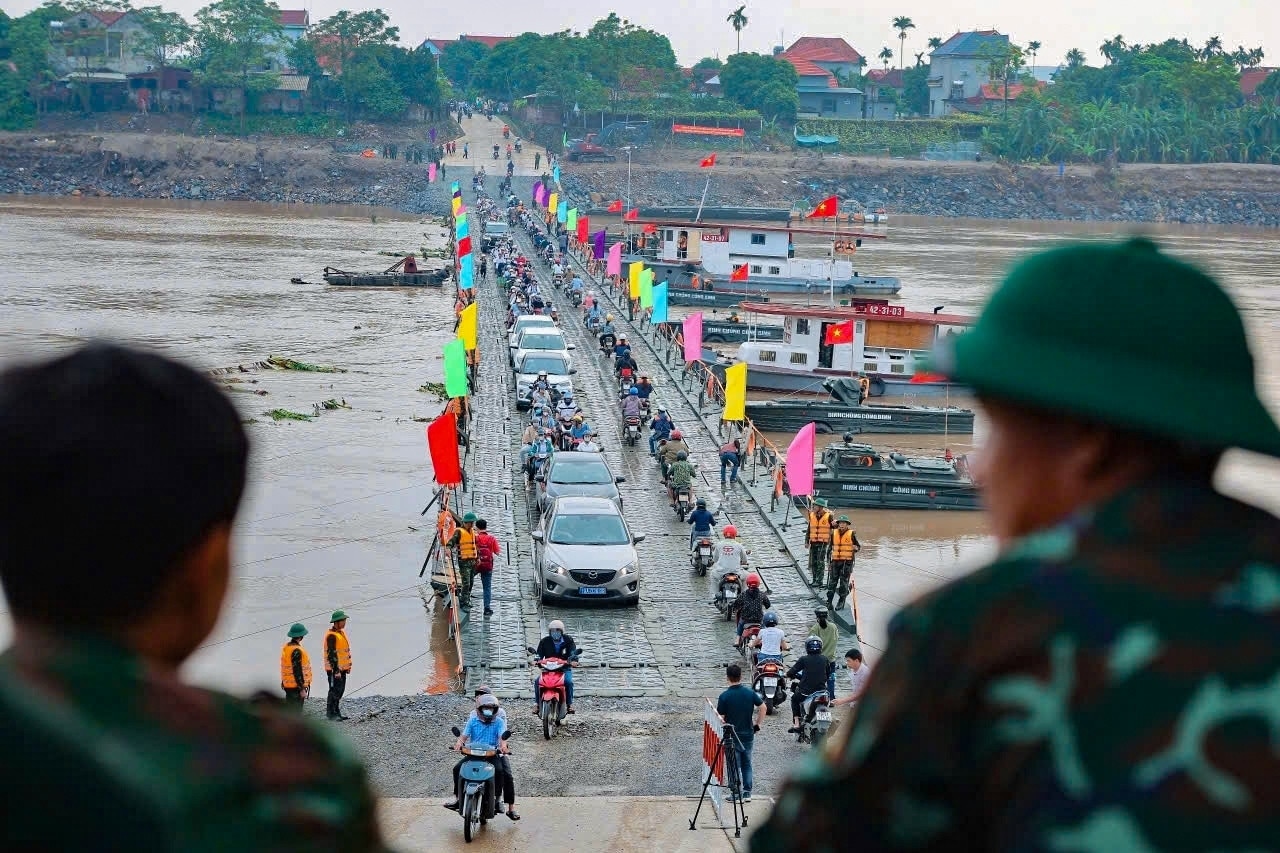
(578, 474)
(584, 551)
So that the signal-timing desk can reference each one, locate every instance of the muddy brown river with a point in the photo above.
(333, 504)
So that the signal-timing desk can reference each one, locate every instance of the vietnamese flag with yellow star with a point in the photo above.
(838, 333)
(826, 208)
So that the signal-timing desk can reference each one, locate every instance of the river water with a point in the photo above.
(333, 504)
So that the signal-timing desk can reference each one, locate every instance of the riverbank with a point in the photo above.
(1219, 194)
(149, 165)
(168, 166)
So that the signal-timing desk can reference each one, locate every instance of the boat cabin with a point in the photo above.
(888, 340)
(847, 459)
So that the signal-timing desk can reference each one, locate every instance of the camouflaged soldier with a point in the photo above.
(1112, 681)
(122, 475)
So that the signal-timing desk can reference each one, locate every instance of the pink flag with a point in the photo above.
(693, 337)
(800, 461)
(615, 260)
(431, 173)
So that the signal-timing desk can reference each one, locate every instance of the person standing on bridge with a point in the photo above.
(818, 539)
(295, 668)
(844, 548)
(1108, 680)
(487, 547)
(742, 709)
(337, 664)
(464, 541)
(826, 631)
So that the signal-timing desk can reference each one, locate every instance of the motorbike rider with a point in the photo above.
(621, 347)
(588, 303)
(557, 644)
(576, 285)
(588, 444)
(484, 730)
(625, 361)
(544, 447)
(660, 429)
(607, 328)
(812, 670)
(567, 409)
(540, 398)
(630, 406)
(703, 522)
(674, 447)
(594, 316)
(544, 418)
(680, 474)
(750, 603)
(645, 386)
(771, 641)
(527, 439)
(580, 429)
(542, 380)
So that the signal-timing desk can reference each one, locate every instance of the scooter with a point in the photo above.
(727, 594)
(703, 555)
(477, 787)
(817, 716)
(768, 682)
(749, 632)
(608, 341)
(576, 297)
(684, 501)
(625, 381)
(645, 414)
(534, 470)
(632, 435)
(553, 691)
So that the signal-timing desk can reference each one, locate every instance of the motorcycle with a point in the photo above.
(625, 381)
(632, 435)
(608, 341)
(495, 152)
(703, 556)
(534, 468)
(727, 594)
(477, 787)
(749, 631)
(552, 691)
(645, 414)
(768, 682)
(576, 296)
(684, 501)
(817, 716)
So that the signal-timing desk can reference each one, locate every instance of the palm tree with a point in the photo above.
(1033, 47)
(738, 20)
(935, 43)
(902, 23)
(1212, 47)
(886, 56)
(1075, 57)
(1112, 48)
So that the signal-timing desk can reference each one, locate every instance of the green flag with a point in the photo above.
(572, 217)
(646, 289)
(455, 368)
(564, 143)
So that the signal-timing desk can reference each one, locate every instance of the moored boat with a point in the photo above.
(710, 298)
(889, 345)
(728, 332)
(843, 414)
(403, 273)
(857, 475)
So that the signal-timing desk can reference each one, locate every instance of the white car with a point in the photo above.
(544, 341)
(523, 322)
(584, 551)
(531, 365)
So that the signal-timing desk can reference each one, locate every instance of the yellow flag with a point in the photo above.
(633, 277)
(553, 202)
(457, 203)
(735, 393)
(468, 325)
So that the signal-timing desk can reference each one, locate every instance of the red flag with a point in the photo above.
(739, 273)
(651, 228)
(633, 214)
(708, 162)
(826, 208)
(839, 333)
(922, 376)
(442, 439)
(464, 247)
(582, 229)
(615, 206)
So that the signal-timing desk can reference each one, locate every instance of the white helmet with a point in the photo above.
(556, 625)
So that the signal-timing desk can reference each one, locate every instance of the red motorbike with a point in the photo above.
(769, 682)
(553, 693)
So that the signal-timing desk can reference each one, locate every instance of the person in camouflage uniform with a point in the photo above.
(123, 473)
(1111, 682)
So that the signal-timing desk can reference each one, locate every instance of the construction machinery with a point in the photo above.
(588, 150)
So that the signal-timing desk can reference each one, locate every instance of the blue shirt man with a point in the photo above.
(595, 315)
(645, 387)
(580, 430)
(742, 708)
(576, 284)
(659, 430)
(702, 522)
(480, 734)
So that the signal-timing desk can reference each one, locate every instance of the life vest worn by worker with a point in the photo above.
(287, 681)
(467, 544)
(820, 526)
(842, 546)
(342, 647)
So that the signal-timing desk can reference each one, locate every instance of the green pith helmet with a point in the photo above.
(297, 630)
(820, 502)
(338, 616)
(844, 519)
(471, 516)
(1120, 334)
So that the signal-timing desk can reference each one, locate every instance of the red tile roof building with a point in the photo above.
(823, 50)
(1251, 79)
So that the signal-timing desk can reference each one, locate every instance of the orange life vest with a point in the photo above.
(842, 545)
(287, 681)
(820, 527)
(343, 648)
(467, 544)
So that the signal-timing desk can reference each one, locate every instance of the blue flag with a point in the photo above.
(555, 174)
(562, 213)
(467, 273)
(660, 303)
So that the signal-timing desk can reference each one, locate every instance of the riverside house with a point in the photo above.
(820, 64)
(959, 68)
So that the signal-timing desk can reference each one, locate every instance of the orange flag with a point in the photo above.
(708, 162)
(826, 208)
(739, 273)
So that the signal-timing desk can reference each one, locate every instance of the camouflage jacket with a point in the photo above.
(224, 773)
(1109, 684)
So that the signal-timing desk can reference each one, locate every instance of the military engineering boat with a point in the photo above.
(844, 413)
(857, 475)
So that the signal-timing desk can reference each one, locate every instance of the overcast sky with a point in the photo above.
(697, 28)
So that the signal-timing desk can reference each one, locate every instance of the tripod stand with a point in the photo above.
(734, 778)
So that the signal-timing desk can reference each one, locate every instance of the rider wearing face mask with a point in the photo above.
(557, 644)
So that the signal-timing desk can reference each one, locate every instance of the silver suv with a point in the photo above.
(584, 551)
(576, 473)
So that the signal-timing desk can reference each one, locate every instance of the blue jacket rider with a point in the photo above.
(631, 405)
(702, 521)
(660, 429)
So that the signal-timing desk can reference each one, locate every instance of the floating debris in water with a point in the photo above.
(330, 405)
(286, 415)
(436, 388)
(259, 391)
(282, 363)
(249, 421)
(419, 420)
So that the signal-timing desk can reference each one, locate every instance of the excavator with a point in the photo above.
(588, 150)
